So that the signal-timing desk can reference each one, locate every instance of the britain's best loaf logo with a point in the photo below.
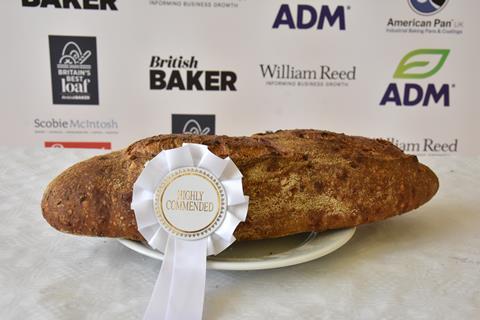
(73, 62)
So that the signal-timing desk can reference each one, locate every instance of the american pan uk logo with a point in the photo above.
(427, 7)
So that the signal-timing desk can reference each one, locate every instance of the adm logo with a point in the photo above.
(308, 17)
(73, 63)
(418, 65)
(72, 4)
(427, 7)
(202, 124)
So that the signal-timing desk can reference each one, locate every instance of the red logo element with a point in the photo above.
(80, 145)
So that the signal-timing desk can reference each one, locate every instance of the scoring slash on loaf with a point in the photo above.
(297, 181)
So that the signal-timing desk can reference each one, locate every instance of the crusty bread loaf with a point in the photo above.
(297, 180)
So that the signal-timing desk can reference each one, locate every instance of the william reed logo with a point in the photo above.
(204, 4)
(322, 76)
(426, 146)
(73, 63)
(179, 73)
(418, 65)
(309, 17)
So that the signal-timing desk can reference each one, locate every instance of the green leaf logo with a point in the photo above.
(414, 60)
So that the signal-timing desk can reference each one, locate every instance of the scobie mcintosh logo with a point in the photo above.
(73, 63)
(427, 7)
(414, 67)
(202, 124)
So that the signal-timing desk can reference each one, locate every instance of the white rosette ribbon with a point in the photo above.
(180, 288)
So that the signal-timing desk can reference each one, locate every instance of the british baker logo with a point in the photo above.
(305, 16)
(418, 65)
(427, 7)
(179, 73)
(203, 124)
(73, 63)
(72, 4)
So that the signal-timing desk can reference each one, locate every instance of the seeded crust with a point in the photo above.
(297, 180)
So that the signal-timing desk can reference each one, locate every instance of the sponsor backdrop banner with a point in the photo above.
(104, 73)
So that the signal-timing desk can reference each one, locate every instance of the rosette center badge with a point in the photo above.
(190, 203)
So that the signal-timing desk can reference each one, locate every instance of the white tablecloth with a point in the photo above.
(423, 265)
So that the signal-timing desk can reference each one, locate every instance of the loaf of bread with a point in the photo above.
(297, 181)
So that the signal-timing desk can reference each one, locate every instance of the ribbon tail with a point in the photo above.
(180, 288)
(157, 306)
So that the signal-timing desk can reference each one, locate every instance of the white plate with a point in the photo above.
(266, 254)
